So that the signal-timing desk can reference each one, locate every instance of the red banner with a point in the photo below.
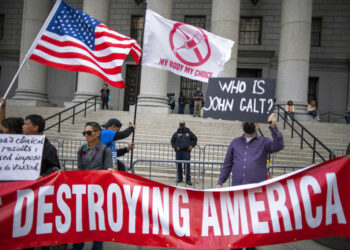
(79, 206)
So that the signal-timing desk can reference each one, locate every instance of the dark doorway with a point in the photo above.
(253, 73)
(188, 87)
(132, 85)
(312, 92)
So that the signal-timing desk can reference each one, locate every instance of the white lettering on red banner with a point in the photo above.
(126, 208)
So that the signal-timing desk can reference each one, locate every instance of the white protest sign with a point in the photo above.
(20, 156)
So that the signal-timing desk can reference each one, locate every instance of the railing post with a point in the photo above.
(85, 103)
(291, 136)
(329, 116)
(59, 123)
(95, 103)
(284, 123)
(73, 115)
(314, 151)
(302, 138)
(278, 113)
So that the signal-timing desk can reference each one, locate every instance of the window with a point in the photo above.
(312, 89)
(136, 28)
(316, 26)
(189, 86)
(2, 25)
(198, 21)
(250, 30)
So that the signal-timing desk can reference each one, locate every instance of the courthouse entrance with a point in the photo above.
(132, 85)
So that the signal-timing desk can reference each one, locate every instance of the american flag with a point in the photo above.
(75, 41)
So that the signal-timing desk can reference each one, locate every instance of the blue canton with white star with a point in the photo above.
(75, 23)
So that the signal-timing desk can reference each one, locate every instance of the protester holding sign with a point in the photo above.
(246, 156)
(35, 125)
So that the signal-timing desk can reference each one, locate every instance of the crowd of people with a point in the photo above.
(196, 102)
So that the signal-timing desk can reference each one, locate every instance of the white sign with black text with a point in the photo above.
(20, 156)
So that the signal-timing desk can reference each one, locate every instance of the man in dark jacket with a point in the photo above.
(35, 125)
(183, 140)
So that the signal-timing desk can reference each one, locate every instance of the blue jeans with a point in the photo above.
(313, 114)
(97, 245)
(286, 114)
(191, 108)
(347, 118)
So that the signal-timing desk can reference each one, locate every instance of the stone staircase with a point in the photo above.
(154, 132)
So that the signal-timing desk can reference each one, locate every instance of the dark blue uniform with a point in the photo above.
(181, 141)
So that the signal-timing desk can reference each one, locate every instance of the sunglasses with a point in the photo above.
(87, 133)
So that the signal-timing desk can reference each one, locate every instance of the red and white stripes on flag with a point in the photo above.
(75, 41)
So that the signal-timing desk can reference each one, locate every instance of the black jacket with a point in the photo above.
(123, 134)
(183, 139)
(122, 151)
(49, 162)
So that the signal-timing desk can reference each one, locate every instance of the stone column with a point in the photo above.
(154, 82)
(89, 85)
(225, 22)
(31, 90)
(294, 53)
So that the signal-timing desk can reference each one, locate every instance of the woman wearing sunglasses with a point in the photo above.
(91, 156)
(94, 154)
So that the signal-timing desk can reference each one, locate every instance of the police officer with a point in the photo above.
(183, 141)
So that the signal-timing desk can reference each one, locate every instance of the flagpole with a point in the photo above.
(139, 79)
(42, 30)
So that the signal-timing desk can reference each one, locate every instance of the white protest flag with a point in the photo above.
(183, 49)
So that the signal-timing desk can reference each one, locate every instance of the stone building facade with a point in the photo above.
(304, 44)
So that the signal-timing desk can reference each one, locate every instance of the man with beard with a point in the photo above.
(246, 156)
(183, 140)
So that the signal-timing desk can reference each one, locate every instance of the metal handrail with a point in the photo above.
(302, 135)
(59, 114)
(283, 168)
(196, 169)
(329, 113)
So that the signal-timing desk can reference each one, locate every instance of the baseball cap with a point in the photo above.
(114, 122)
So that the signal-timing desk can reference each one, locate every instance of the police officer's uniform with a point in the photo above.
(183, 138)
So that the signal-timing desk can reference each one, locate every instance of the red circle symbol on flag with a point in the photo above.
(189, 44)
